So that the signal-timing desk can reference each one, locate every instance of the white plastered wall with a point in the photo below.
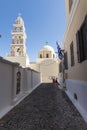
(30, 79)
(80, 89)
(5, 86)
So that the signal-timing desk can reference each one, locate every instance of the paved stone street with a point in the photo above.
(46, 108)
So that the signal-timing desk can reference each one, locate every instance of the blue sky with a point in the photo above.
(44, 21)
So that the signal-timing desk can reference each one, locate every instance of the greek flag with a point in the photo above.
(60, 54)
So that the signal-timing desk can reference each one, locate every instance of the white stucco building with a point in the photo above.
(46, 63)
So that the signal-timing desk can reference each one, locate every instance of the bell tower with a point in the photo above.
(18, 46)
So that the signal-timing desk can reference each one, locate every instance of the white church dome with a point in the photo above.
(47, 48)
(46, 52)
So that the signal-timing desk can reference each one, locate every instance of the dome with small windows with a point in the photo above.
(47, 48)
(46, 52)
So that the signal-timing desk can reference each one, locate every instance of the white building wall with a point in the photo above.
(8, 84)
(29, 80)
(22, 60)
(76, 81)
(80, 89)
(49, 69)
(35, 78)
(16, 97)
(5, 86)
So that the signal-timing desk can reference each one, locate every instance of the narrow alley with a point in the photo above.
(46, 108)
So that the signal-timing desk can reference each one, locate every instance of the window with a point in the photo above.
(60, 67)
(13, 41)
(17, 41)
(70, 4)
(65, 61)
(47, 55)
(15, 28)
(40, 55)
(18, 52)
(18, 78)
(53, 56)
(21, 41)
(80, 51)
(21, 29)
(81, 39)
(72, 54)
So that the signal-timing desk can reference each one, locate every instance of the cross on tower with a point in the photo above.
(46, 43)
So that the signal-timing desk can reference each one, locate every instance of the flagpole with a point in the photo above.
(61, 57)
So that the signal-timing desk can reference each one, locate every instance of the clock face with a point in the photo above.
(17, 29)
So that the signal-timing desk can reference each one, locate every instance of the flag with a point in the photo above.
(60, 54)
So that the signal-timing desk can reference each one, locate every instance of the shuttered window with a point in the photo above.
(79, 46)
(81, 39)
(72, 54)
(70, 5)
(60, 67)
(84, 38)
(65, 61)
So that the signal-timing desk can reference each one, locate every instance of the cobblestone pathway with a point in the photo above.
(46, 108)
